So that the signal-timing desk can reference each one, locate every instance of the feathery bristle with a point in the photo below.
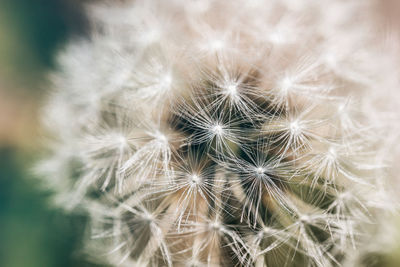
(222, 133)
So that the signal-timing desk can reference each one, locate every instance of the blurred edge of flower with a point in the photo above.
(32, 233)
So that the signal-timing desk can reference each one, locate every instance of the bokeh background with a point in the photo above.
(33, 233)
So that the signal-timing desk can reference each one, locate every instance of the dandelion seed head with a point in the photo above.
(304, 219)
(231, 89)
(332, 153)
(266, 230)
(160, 137)
(166, 81)
(295, 128)
(148, 217)
(343, 196)
(195, 179)
(286, 84)
(260, 170)
(216, 45)
(192, 136)
(215, 226)
(122, 140)
(217, 129)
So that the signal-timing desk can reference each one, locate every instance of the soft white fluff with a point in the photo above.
(222, 133)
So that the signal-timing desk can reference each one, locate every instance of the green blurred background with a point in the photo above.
(32, 232)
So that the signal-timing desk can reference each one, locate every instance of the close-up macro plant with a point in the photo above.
(227, 133)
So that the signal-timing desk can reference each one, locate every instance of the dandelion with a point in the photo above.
(223, 133)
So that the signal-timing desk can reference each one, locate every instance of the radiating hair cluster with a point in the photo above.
(222, 133)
